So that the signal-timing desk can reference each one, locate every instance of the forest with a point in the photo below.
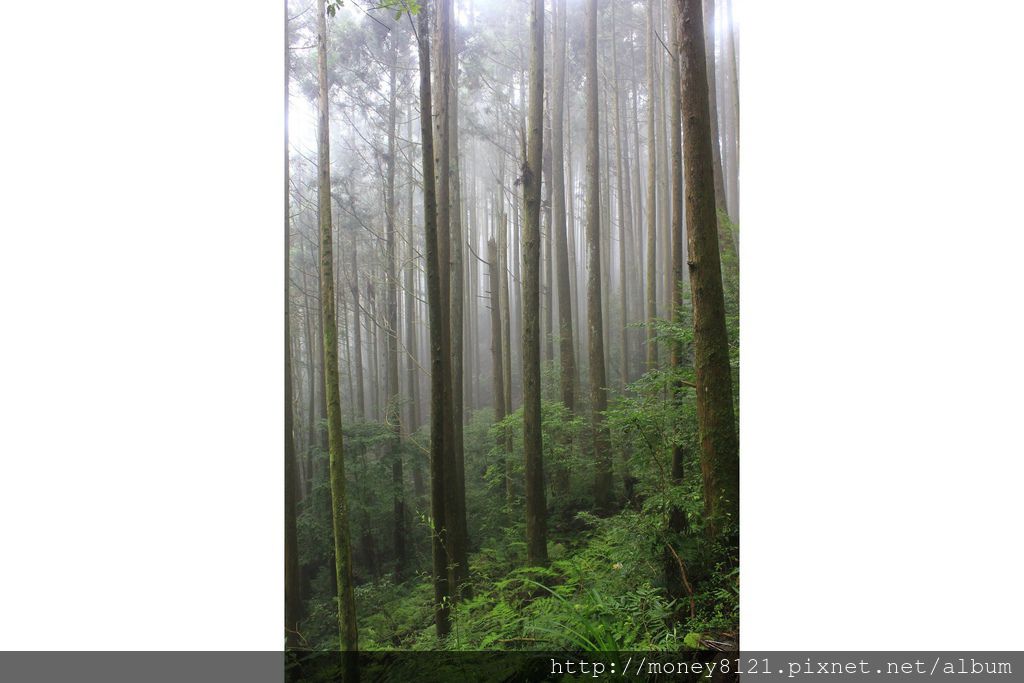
(511, 325)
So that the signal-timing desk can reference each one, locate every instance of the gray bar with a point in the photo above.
(481, 667)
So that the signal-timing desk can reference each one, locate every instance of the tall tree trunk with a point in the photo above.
(373, 329)
(652, 205)
(357, 331)
(664, 199)
(716, 146)
(292, 586)
(393, 406)
(536, 506)
(307, 314)
(497, 337)
(570, 230)
(566, 346)
(733, 148)
(411, 338)
(715, 418)
(438, 377)
(598, 383)
(605, 134)
(677, 516)
(622, 188)
(638, 203)
(349, 638)
(506, 332)
(547, 290)
(455, 509)
(729, 255)
(457, 520)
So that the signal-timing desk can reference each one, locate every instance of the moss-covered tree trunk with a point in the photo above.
(455, 508)
(438, 377)
(536, 507)
(349, 639)
(715, 417)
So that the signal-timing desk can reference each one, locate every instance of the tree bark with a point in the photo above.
(566, 346)
(506, 333)
(292, 586)
(456, 520)
(497, 337)
(677, 516)
(357, 332)
(536, 507)
(393, 405)
(438, 377)
(716, 145)
(652, 206)
(411, 338)
(455, 515)
(715, 416)
(622, 190)
(349, 639)
(373, 329)
(598, 395)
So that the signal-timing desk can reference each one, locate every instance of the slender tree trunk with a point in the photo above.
(454, 493)
(729, 255)
(292, 586)
(506, 322)
(411, 338)
(677, 516)
(567, 350)
(709, 58)
(621, 186)
(638, 205)
(497, 362)
(373, 329)
(570, 230)
(438, 377)
(715, 417)
(457, 522)
(393, 406)
(357, 332)
(733, 148)
(547, 289)
(536, 506)
(652, 206)
(349, 639)
(605, 134)
(598, 383)
(506, 326)
(307, 314)
(664, 168)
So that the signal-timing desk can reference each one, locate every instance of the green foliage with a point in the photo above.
(605, 589)
(561, 437)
